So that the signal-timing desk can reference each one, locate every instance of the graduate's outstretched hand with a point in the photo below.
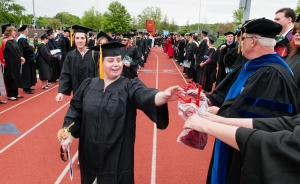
(196, 122)
(169, 93)
(213, 109)
(213, 117)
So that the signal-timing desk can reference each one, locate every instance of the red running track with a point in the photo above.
(33, 156)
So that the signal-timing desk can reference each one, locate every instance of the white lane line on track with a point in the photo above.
(179, 71)
(154, 145)
(30, 130)
(28, 100)
(62, 175)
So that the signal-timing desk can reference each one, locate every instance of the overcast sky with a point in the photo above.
(211, 11)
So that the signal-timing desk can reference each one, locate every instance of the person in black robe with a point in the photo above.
(28, 77)
(44, 61)
(269, 147)
(55, 61)
(190, 57)
(140, 44)
(130, 67)
(263, 88)
(91, 39)
(104, 116)
(200, 52)
(64, 46)
(223, 49)
(79, 64)
(102, 38)
(181, 46)
(14, 60)
(208, 67)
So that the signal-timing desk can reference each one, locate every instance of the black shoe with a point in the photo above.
(29, 92)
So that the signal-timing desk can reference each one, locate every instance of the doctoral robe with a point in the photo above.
(28, 77)
(270, 151)
(77, 68)
(105, 123)
(269, 92)
(170, 47)
(294, 63)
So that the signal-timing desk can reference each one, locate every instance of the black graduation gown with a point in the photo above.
(294, 64)
(28, 77)
(141, 48)
(91, 43)
(55, 63)
(76, 69)
(181, 45)
(105, 123)
(44, 61)
(270, 156)
(130, 72)
(200, 52)
(64, 46)
(267, 83)
(12, 72)
(191, 50)
(208, 72)
(220, 58)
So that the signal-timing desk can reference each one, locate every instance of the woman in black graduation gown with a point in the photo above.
(79, 64)
(129, 69)
(104, 112)
(13, 57)
(269, 147)
(44, 60)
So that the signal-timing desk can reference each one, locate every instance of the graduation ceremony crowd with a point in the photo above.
(251, 82)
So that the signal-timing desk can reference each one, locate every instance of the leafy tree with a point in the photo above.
(173, 26)
(53, 23)
(149, 13)
(92, 19)
(238, 16)
(67, 19)
(134, 22)
(164, 25)
(117, 19)
(187, 26)
(225, 27)
(297, 10)
(10, 11)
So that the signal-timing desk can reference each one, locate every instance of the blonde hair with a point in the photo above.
(9, 30)
(100, 39)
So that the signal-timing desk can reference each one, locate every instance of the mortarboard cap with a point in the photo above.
(103, 34)
(229, 32)
(81, 29)
(205, 31)
(109, 49)
(91, 34)
(3, 27)
(22, 28)
(263, 27)
(67, 30)
(127, 35)
(212, 38)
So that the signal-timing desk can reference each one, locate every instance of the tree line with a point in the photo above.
(115, 19)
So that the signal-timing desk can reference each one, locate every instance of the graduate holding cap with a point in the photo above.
(104, 111)
(79, 64)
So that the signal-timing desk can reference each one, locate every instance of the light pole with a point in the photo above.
(199, 17)
(34, 18)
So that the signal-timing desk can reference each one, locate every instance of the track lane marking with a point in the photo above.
(30, 130)
(27, 100)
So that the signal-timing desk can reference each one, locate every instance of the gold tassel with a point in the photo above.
(240, 42)
(71, 37)
(101, 73)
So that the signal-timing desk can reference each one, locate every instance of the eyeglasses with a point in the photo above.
(63, 154)
(244, 37)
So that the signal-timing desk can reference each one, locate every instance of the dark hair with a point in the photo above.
(195, 37)
(288, 12)
(293, 48)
